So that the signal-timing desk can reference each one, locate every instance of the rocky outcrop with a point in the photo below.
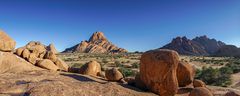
(198, 46)
(92, 68)
(40, 55)
(185, 74)
(209, 45)
(7, 44)
(158, 71)
(113, 75)
(98, 43)
(10, 62)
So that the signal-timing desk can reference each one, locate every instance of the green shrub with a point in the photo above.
(215, 77)
(118, 64)
(126, 72)
(135, 65)
(105, 60)
(235, 66)
(77, 65)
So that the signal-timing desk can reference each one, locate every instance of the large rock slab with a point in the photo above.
(7, 44)
(158, 71)
(51, 83)
(12, 63)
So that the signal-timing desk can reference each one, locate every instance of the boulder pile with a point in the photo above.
(162, 73)
(10, 62)
(42, 56)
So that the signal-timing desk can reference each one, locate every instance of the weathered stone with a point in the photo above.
(113, 74)
(62, 65)
(200, 91)
(198, 83)
(25, 53)
(7, 44)
(47, 64)
(158, 71)
(185, 74)
(92, 68)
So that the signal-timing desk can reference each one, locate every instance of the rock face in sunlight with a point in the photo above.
(113, 74)
(41, 55)
(7, 44)
(198, 46)
(52, 48)
(10, 62)
(92, 68)
(158, 71)
(97, 43)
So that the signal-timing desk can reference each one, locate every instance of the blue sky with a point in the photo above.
(132, 24)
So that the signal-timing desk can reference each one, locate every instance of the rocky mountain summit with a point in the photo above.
(198, 46)
(97, 43)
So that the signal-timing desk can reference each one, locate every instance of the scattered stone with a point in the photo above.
(113, 75)
(158, 71)
(92, 68)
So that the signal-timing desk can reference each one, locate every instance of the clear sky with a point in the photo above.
(132, 24)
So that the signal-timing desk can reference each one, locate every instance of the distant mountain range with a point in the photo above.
(97, 43)
(202, 46)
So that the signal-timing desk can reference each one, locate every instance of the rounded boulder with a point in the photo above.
(158, 71)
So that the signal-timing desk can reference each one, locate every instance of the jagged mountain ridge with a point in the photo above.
(97, 43)
(198, 46)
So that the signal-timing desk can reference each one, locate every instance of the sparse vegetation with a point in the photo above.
(216, 77)
(126, 72)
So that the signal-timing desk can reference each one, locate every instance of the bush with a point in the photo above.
(235, 66)
(135, 65)
(215, 77)
(105, 60)
(118, 64)
(126, 72)
(77, 65)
